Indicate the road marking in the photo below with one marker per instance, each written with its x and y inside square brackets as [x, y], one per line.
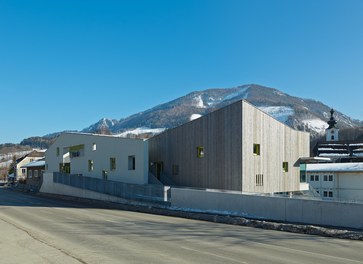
[218, 256]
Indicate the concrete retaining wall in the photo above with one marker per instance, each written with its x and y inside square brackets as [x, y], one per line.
[315, 212]
[49, 186]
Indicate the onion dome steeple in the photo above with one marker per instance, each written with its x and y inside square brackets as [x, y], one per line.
[332, 122]
[332, 132]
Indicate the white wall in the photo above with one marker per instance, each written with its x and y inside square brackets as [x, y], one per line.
[106, 147]
[345, 185]
[316, 212]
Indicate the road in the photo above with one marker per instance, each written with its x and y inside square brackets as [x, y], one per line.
[36, 229]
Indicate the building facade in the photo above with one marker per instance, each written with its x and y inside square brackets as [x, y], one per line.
[99, 156]
[337, 181]
[20, 172]
[35, 172]
[238, 147]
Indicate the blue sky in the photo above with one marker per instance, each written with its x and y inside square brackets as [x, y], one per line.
[65, 64]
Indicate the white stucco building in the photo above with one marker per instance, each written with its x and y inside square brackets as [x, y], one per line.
[99, 156]
[337, 181]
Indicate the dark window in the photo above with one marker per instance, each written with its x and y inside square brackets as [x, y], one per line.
[131, 162]
[331, 178]
[90, 165]
[200, 152]
[256, 149]
[285, 166]
[105, 175]
[112, 164]
[316, 177]
[325, 177]
[175, 169]
[311, 177]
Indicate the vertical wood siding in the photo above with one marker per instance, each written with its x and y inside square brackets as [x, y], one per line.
[227, 136]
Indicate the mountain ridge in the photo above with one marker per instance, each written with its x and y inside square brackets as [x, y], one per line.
[302, 114]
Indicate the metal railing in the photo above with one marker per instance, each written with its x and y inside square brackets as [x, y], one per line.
[146, 192]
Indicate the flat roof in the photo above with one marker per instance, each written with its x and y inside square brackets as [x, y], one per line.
[335, 167]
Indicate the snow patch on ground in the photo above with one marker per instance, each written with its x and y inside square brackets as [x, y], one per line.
[141, 130]
[317, 125]
[198, 102]
[194, 116]
[280, 113]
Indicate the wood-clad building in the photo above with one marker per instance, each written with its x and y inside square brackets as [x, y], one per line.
[237, 147]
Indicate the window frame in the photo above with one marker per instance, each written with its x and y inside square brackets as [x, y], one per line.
[285, 166]
[112, 164]
[256, 149]
[200, 152]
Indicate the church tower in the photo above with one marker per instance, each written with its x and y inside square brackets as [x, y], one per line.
[332, 133]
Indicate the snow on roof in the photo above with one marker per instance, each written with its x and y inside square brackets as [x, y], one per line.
[333, 154]
[37, 163]
[141, 130]
[335, 167]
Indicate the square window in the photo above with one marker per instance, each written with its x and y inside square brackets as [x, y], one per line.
[200, 152]
[330, 194]
[112, 164]
[311, 177]
[325, 194]
[325, 177]
[131, 162]
[316, 177]
[285, 166]
[256, 149]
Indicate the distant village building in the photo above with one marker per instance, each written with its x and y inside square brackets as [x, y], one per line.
[342, 181]
[342, 176]
[35, 172]
[338, 150]
[20, 172]
[332, 133]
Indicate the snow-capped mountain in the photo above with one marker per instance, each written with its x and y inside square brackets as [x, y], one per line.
[302, 114]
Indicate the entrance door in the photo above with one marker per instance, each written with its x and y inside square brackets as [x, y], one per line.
[159, 168]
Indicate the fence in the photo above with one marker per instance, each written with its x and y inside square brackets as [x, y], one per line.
[148, 192]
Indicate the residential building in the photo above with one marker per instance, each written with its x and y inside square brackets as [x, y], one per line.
[20, 172]
[338, 150]
[342, 181]
[35, 172]
[99, 156]
[238, 147]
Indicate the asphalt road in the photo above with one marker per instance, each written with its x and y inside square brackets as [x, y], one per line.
[35, 229]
